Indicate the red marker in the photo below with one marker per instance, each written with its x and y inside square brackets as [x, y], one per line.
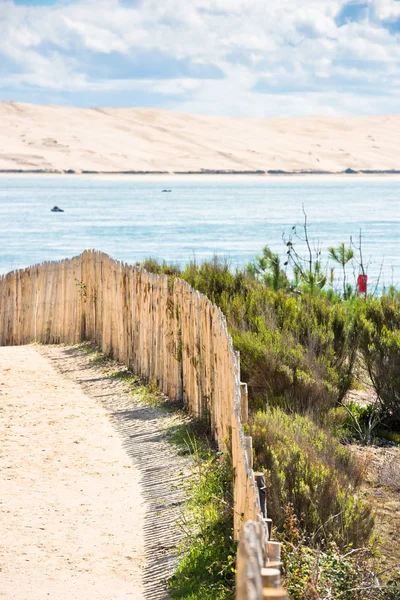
[362, 281]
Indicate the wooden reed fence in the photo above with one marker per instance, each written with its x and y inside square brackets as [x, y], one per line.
[166, 332]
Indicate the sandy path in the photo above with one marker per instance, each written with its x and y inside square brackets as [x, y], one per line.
[78, 518]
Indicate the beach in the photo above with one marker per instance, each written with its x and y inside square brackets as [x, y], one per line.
[40, 139]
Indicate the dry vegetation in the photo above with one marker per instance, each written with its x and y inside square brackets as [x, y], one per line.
[381, 489]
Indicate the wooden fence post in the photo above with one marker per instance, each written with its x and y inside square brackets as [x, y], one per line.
[244, 403]
[262, 492]
[271, 577]
[249, 450]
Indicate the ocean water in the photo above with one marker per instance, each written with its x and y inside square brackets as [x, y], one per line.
[133, 220]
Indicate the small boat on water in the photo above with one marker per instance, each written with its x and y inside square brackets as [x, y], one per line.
[56, 209]
[167, 190]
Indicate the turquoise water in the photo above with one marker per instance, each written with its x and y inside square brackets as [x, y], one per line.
[132, 220]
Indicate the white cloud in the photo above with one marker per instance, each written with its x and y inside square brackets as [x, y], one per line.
[386, 9]
[279, 55]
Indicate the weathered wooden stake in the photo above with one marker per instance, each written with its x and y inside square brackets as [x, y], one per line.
[274, 594]
[271, 578]
[274, 551]
[244, 403]
[262, 492]
[249, 450]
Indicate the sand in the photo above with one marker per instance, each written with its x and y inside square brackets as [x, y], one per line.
[37, 138]
[84, 468]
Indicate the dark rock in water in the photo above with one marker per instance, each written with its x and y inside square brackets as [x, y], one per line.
[350, 171]
[56, 209]
[167, 190]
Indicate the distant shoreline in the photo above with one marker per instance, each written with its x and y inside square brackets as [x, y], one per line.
[219, 175]
[227, 172]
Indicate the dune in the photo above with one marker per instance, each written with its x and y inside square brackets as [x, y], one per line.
[59, 139]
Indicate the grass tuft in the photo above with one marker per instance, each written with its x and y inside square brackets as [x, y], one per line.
[207, 567]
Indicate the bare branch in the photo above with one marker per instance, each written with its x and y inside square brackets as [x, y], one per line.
[379, 277]
[307, 240]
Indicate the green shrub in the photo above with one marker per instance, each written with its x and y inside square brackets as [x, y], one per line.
[391, 590]
[312, 471]
[360, 424]
[379, 334]
[267, 268]
[152, 265]
[327, 334]
[310, 573]
[334, 422]
[212, 278]
[278, 372]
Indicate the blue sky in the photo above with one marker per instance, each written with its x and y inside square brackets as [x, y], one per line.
[35, 2]
[260, 58]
